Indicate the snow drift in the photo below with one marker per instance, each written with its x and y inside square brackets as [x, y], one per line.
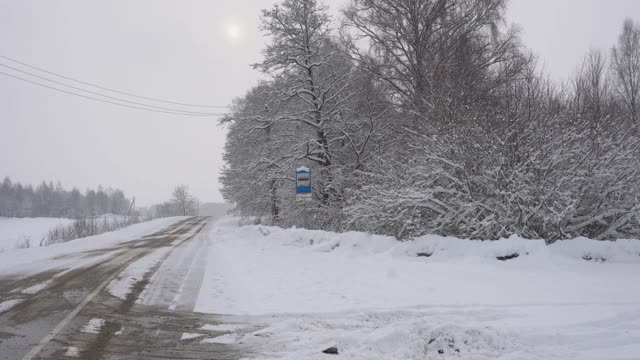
[438, 247]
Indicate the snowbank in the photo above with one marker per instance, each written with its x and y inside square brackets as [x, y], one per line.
[620, 251]
[26, 232]
[446, 248]
[437, 248]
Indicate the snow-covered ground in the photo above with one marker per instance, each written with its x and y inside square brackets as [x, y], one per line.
[26, 232]
[432, 298]
[26, 261]
[17, 233]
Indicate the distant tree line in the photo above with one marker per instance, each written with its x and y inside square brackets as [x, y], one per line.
[431, 116]
[49, 200]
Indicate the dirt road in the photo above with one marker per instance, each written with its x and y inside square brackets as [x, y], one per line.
[75, 316]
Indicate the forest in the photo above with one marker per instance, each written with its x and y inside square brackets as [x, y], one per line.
[433, 117]
[49, 200]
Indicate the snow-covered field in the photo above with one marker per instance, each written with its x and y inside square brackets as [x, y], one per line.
[432, 298]
[26, 232]
[25, 261]
[18, 233]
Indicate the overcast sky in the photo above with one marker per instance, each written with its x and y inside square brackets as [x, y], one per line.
[186, 51]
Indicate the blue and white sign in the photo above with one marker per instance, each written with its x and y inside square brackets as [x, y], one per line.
[303, 183]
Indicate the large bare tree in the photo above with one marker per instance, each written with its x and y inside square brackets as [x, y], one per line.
[434, 55]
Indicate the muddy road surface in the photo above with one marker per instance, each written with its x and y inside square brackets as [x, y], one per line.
[73, 313]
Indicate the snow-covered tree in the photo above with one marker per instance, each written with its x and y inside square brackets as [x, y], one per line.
[312, 111]
[430, 116]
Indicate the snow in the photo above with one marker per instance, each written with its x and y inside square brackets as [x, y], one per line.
[223, 327]
[20, 232]
[175, 263]
[35, 288]
[449, 332]
[395, 336]
[222, 339]
[28, 261]
[177, 282]
[93, 326]
[375, 298]
[135, 272]
[8, 304]
[72, 351]
[316, 271]
[190, 336]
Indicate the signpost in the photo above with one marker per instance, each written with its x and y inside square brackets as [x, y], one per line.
[303, 184]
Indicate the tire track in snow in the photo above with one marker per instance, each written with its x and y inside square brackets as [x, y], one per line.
[121, 258]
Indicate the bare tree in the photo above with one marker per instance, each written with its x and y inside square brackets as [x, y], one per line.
[433, 55]
[183, 200]
[593, 98]
[626, 66]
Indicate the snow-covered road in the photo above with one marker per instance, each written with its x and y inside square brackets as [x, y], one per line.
[176, 284]
[124, 295]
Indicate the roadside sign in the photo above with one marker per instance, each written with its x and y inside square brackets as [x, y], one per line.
[303, 183]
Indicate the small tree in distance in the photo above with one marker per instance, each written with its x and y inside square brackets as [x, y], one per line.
[184, 202]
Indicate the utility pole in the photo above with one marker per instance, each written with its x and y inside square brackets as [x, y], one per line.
[131, 207]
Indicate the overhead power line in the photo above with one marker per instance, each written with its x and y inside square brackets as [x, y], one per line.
[112, 90]
[106, 96]
[174, 112]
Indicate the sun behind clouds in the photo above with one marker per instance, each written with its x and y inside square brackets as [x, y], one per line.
[233, 31]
